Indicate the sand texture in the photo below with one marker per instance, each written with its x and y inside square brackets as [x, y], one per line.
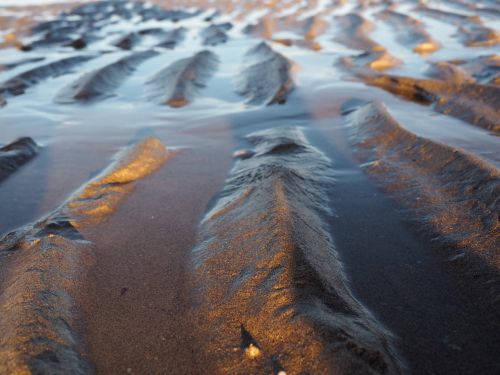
[250, 187]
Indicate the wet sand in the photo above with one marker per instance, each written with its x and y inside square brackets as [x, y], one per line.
[238, 188]
[138, 284]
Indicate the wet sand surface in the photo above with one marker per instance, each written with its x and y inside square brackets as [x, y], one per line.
[281, 188]
[138, 285]
[374, 233]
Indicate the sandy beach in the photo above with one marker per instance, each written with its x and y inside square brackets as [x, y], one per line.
[250, 187]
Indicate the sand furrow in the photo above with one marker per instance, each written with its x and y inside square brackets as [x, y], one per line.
[59, 40]
[410, 32]
[488, 10]
[121, 9]
[470, 30]
[86, 22]
[61, 32]
[447, 71]
[102, 82]
[178, 84]
[18, 84]
[215, 34]
[314, 26]
[484, 69]
[378, 61]
[264, 28]
[453, 195]
[353, 33]
[15, 154]
[450, 17]
[471, 102]
[302, 43]
[173, 38]
[266, 76]
[479, 36]
[56, 25]
[307, 29]
[128, 41]
[45, 263]
[271, 288]
[15, 64]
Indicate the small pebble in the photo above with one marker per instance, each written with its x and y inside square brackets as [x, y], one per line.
[243, 154]
[252, 351]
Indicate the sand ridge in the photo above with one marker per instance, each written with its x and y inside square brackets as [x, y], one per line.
[46, 262]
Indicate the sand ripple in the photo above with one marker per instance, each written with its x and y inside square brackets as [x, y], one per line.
[270, 282]
[46, 262]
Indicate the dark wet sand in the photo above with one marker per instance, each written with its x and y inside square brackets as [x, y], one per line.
[136, 300]
[397, 274]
